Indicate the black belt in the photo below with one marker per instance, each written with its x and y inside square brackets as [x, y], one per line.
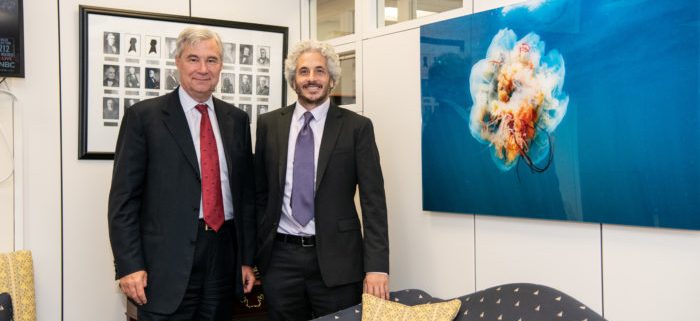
[303, 241]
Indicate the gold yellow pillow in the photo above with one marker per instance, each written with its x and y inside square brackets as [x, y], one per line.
[376, 309]
[17, 278]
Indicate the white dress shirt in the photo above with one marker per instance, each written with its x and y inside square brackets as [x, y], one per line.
[288, 225]
[194, 117]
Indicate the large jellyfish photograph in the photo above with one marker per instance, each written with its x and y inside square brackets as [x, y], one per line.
[518, 100]
[579, 110]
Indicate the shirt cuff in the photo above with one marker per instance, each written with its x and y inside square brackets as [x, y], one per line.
[387, 274]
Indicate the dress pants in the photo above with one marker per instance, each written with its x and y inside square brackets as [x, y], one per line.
[210, 291]
[294, 289]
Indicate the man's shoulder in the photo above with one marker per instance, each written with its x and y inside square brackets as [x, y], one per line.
[152, 104]
[222, 103]
[225, 104]
[274, 114]
[350, 115]
[229, 107]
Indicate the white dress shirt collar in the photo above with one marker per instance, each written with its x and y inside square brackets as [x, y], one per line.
[188, 103]
[319, 112]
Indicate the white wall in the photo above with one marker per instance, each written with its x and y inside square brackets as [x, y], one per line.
[37, 152]
[7, 179]
[651, 274]
[562, 255]
[428, 250]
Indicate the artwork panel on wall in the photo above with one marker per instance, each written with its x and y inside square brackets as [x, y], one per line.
[565, 109]
[128, 56]
[11, 39]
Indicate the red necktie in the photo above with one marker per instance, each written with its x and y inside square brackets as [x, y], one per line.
[212, 201]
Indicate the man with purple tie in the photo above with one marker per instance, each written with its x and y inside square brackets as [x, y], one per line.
[310, 158]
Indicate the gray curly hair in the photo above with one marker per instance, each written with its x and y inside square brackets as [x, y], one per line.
[193, 35]
[326, 50]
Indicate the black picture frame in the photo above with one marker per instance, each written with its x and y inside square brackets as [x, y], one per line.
[127, 56]
[11, 39]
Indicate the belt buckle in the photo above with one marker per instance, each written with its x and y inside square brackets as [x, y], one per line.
[304, 244]
[207, 228]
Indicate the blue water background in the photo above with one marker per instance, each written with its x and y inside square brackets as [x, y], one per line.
[628, 149]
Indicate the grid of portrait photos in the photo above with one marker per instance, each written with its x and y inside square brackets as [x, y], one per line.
[127, 57]
[245, 77]
[142, 66]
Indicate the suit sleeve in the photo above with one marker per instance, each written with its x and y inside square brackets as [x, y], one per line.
[125, 196]
[248, 193]
[261, 188]
[372, 201]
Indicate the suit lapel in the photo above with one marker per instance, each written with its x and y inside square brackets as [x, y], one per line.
[226, 130]
[175, 121]
[331, 131]
[284, 122]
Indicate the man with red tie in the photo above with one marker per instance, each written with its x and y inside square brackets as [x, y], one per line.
[181, 206]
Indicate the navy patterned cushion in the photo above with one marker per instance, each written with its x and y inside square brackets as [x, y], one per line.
[509, 302]
[5, 307]
[523, 301]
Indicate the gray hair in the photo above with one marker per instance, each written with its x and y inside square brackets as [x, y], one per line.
[326, 50]
[193, 35]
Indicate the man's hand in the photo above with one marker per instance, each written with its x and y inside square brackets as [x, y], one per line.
[133, 286]
[376, 284]
[248, 278]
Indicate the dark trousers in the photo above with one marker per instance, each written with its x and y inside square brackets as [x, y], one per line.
[210, 291]
[294, 289]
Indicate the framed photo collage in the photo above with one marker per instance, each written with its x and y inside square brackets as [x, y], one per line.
[129, 56]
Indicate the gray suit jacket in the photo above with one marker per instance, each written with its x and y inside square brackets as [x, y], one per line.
[156, 190]
[348, 158]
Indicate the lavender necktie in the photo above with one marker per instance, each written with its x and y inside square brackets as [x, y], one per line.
[303, 175]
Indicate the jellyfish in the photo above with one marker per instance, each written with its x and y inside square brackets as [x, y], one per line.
[518, 100]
